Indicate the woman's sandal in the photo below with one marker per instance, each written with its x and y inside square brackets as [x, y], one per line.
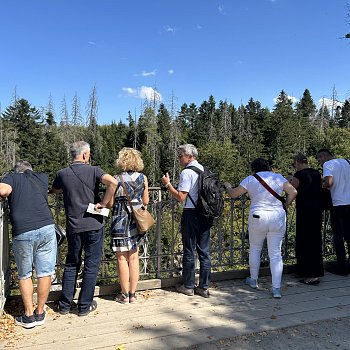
[122, 298]
[132, 297]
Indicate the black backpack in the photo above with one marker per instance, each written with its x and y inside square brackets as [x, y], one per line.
[210, 200]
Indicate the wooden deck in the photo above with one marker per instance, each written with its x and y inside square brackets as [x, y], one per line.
[164, 319]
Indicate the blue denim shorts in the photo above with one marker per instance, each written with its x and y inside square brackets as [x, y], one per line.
[37, 247]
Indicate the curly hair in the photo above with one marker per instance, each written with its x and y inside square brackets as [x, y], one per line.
[129, 159]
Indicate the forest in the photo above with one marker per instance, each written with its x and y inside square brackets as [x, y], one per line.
[228, 137]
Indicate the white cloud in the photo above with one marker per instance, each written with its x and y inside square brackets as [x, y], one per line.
[170, 29]
[91, 43]
[143, 92]
[129, 91]
[291, 98]
[147, 92]
[327, 102]
[221, 9]
[147, 74]
[171, 71]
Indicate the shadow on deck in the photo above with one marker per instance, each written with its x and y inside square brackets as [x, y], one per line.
[164, 319]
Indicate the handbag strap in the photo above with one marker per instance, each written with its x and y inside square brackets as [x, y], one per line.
[275, 194]
[71, 168]
[125, 190]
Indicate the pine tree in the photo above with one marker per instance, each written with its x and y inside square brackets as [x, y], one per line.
[26, 121]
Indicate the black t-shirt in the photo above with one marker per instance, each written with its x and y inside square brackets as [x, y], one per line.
[28, 207]
[80, 187]
[309, 189]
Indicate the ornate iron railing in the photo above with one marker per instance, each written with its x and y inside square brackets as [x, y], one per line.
[161, 254]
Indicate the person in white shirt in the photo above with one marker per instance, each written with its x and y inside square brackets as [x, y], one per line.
[267, 219]
[336, 174]
[195, 228]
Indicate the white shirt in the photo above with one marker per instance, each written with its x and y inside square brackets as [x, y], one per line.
[261, 198]
[339, 169]
[189, 183]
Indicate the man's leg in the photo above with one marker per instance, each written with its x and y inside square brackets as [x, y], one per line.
[93, 245]
[203, 251]
[44, 262]
[337, 223]
[189, 225]
[71, 270]
[43, 290]
[26, 289]
[23, 246]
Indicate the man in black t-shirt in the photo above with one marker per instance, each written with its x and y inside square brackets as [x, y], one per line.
[33, 237]
[79, 184]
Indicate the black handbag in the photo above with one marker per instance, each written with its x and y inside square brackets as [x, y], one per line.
[59, 230]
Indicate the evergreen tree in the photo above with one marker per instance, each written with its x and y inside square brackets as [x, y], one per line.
[345, 115]
[26, 121]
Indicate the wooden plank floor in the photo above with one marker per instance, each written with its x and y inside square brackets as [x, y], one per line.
[163, 319]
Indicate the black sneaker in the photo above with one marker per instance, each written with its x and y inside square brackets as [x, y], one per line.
[182, 289]
[26, 321]
[202, 292]
[92, 307]
[40, 318]
[58, 309]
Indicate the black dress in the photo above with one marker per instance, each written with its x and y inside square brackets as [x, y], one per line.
[308, 224]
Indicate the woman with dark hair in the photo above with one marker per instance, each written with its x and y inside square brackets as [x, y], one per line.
[267, 219]
[308, 240]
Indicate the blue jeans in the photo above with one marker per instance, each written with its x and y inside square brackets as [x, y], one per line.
[91, 242]
[195, 230]
[36, 247]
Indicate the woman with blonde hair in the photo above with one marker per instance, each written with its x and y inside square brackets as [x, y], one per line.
[125, 237]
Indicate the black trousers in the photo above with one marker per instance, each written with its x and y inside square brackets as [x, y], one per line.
[340, 221]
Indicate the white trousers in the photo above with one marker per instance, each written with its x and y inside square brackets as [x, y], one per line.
[272, 226]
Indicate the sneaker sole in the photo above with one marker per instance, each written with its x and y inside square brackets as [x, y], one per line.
[26, 325]
[40, 323]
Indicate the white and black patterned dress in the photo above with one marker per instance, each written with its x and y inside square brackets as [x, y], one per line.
[125, 236]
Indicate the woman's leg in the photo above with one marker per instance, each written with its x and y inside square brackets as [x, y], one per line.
[256, 242]
[123, 271]
[134, 269]
[274, 244]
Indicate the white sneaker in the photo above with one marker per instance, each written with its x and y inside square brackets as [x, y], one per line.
[252, 283]
[276, 293]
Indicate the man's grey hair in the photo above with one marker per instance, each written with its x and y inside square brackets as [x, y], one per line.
[22, 166]
[78, 148]
[188, 150]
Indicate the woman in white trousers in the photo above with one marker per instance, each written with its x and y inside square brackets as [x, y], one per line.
[267, 219]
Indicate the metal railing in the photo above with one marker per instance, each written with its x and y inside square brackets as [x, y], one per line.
[5, 268]
[161, 253]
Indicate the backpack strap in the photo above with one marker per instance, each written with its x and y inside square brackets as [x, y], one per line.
[347, 160]
[199, 172]
[275, 194]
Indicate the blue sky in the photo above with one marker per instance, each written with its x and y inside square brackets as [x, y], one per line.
[232, 49]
